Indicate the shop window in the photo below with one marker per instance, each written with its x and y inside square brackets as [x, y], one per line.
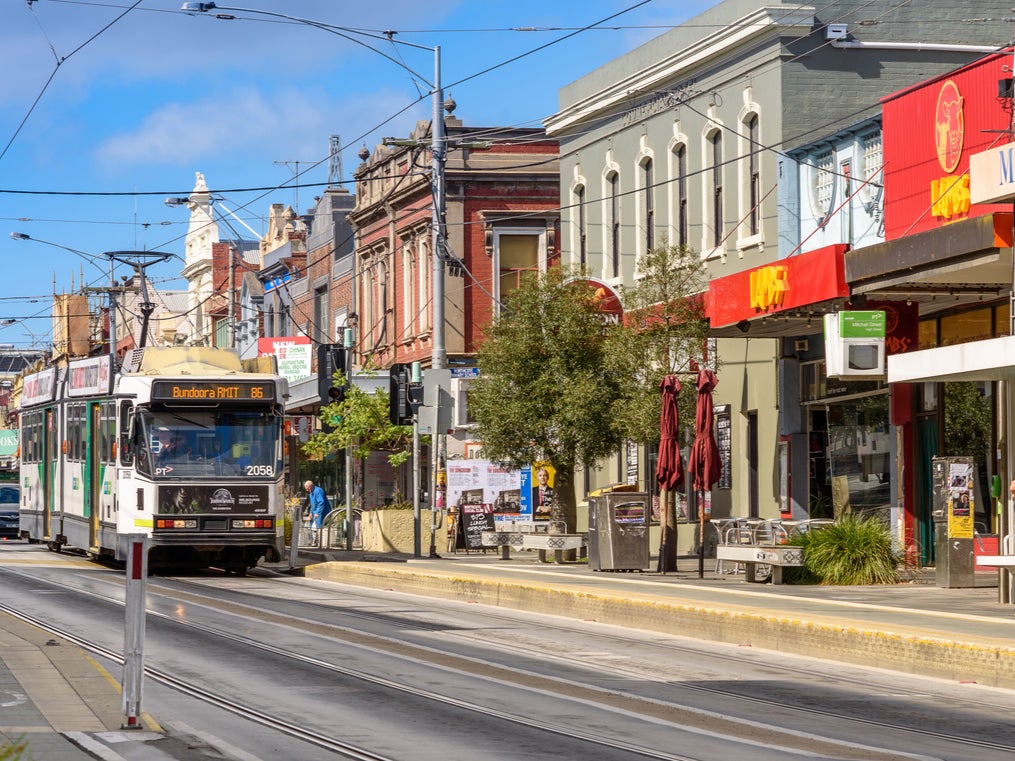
[971, 325]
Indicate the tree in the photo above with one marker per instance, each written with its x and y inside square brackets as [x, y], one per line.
[360, 422]
[665, 333]
[546, 390]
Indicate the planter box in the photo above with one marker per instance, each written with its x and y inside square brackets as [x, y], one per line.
[392, 531]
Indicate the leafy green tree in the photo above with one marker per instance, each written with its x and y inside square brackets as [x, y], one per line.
[360, 423]
[546, 390]
[665, 331]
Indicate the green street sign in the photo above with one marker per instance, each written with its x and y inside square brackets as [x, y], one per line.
[862, 324]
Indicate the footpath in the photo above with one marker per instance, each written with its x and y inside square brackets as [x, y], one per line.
[66, 707]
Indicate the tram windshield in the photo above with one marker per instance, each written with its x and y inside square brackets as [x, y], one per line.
[207, 443]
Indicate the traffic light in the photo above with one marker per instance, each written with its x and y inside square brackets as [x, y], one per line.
[331, 359]
[399, 411]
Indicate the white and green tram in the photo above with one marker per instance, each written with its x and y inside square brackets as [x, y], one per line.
[183, 444]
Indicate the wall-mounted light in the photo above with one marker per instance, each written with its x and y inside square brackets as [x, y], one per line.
[743, 326]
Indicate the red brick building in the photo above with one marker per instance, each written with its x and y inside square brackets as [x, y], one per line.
[502, 216]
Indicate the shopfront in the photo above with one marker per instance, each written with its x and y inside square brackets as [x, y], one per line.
[949, 258]
[836, 442]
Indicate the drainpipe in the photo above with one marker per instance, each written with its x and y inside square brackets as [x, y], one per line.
[930, 46]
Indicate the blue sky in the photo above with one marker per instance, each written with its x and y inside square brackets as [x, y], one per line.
[131, 99]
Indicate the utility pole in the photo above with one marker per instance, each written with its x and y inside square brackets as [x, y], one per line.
[438, 154]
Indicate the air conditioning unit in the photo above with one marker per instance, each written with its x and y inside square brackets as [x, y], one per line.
[801, 345]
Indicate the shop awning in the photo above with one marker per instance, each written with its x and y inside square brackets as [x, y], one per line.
[785, 297]
[956, 265]
[990, 360]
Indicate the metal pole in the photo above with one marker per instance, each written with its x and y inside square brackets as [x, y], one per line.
[439, 357]
[417, 539]
[112, 314]
[134, 628]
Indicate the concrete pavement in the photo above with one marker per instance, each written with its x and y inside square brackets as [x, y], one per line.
[916, 627]
[66, 707]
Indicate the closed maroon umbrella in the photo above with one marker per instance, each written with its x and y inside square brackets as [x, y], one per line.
[669, 468]
[703, 461]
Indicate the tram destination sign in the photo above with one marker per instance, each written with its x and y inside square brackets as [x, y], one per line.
[212, 391]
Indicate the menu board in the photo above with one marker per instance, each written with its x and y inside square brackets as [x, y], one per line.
[724, 441]
[473, 521]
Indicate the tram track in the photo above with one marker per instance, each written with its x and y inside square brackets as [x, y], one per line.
[318, 739]
[618, 643]
[651, 709]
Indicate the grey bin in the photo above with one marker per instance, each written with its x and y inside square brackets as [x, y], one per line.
[618, 532]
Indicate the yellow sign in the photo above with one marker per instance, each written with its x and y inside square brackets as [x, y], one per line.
[769, 286]
[949, 197]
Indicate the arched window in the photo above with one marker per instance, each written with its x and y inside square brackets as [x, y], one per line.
[753, 177]
[581, 231]
[715, 143]
[681, 201]
[648, 203]
[613, 221]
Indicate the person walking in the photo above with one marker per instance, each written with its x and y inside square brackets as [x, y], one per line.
[318, 508]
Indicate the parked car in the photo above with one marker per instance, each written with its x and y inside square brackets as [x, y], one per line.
[10, 496]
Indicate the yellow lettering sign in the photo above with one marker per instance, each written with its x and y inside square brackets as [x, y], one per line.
[949, 197]
[769, 286]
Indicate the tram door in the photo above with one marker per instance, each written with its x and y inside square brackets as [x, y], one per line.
[93, 473]
[50, 446]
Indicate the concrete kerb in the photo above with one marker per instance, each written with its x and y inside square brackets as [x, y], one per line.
[897, 649]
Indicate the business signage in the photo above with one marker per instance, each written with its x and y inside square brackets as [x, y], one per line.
[292, 353]
[992, 175]
[791, 283]
[930, 132]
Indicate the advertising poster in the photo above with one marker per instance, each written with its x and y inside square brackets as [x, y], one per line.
[538, 482]
[481, 482]
[293, 354]
[960, 501]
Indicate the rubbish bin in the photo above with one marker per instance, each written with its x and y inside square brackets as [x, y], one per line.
[618, 532]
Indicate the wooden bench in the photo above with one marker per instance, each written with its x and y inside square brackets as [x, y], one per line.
[557, 543]
[753, 555]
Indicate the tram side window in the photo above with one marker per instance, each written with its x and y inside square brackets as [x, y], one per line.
[107, 431]
[126, 446]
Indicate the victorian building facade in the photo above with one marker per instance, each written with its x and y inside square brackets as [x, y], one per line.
[684, 141]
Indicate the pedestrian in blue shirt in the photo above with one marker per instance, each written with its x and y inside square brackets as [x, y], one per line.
[318, 508]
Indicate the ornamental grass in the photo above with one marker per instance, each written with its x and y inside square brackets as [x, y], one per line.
[855, 550]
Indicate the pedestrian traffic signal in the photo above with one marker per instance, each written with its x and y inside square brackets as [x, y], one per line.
[331, 358]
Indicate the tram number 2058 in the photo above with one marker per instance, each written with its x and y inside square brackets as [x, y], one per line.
[260, 470]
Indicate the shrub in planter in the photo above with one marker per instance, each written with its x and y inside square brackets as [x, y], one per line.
[852, 551]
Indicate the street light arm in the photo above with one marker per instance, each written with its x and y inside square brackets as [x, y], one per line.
[90, 258]
[341, 31]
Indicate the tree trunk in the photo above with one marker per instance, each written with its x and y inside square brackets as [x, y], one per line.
[564, 512]
[668, 540]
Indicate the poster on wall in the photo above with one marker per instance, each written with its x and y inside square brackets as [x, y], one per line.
[481, 482]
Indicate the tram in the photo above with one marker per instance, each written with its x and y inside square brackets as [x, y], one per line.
[181, 444]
